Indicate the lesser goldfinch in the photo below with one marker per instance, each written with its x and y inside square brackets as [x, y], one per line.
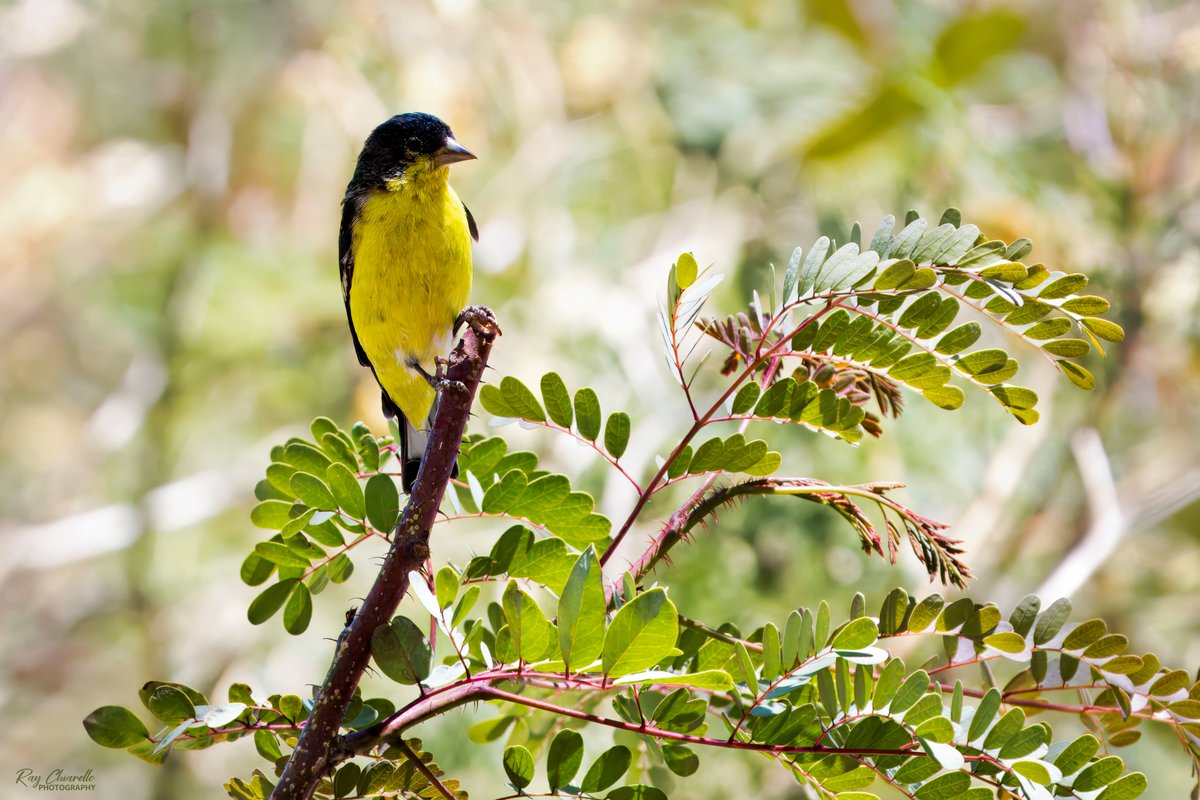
[405, 259]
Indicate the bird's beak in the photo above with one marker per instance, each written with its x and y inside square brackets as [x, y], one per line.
[451, 153]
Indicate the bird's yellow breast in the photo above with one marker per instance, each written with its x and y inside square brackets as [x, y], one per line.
[412, 277]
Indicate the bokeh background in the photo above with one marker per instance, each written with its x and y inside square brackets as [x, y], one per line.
[171, 176]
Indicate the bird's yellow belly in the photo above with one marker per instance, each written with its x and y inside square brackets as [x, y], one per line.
[412, 277]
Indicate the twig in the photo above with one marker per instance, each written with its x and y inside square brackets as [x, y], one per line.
[424, 769]
[316, 750]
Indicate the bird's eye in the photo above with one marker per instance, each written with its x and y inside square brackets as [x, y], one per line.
[413, 142]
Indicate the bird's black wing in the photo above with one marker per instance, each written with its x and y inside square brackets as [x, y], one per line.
[471, 223]
[350, 210]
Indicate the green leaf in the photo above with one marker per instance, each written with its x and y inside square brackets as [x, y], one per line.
[686, 270]
[281, 554]
[771, 652]
[1170, 683]
[1078, 374]
[530, 630]
[888, 683]
[1084, 634]
[170, 704]
[925, 612]
[1077, 754]
[115, 726]
[947, 397]
[298, 611]
[746, 397]
[280, 476]
[306, 458]
[346, 489]
[822, 632]
[681, 760]
[1051, 621]
[616, 434]
[812, 265]
[773, 401]
[269, 601]
[912, 690]
[1126, 788]
[1099, 774]
[446, 584]
[271, 514]
[1006, 271]
[894, 275]
[636, 791]
[1107, 646]
[1068, 348]
[564, 758]
[402, 652]
[1065, 286]
[557, 399]
[1006, 642]
[1109, 331]
[1015, 396]
[1049, 329]
[1035, 771]
[520, 399]
[791, 275]
[518, 765]
[587, 413]
[749, 673]
[982, 361]
[913, 366]
[606, 770]
[856, 634]
[1004, 730]
[383, 502]
[255, 569]
[906, 242]
[936, 729]
[959, 339]
[267, 745]
[494, 402]
[944, 787]
[489, 730]
[581, 612]
[1087, 305]
[985, 712]
[1024, 743]
[850, 273]
[505, 493]
[642, 633]
[465, 604]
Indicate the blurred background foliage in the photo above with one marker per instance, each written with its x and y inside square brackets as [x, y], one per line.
[168, 212]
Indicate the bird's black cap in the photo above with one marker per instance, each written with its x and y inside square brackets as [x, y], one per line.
[402, 140]
[415, 134]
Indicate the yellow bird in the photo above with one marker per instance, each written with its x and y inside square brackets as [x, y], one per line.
[405, 259]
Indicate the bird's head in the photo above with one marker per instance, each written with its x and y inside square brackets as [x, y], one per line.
[408, 147]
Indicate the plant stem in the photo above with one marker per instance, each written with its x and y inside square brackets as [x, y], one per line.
[316, 751]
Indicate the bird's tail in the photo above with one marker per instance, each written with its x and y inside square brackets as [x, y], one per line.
[413, 442]
[412, 449]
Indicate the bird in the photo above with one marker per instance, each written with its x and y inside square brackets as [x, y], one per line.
[405, 264]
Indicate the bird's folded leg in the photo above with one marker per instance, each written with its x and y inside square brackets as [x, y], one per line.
[438, 379]
[480, 318]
